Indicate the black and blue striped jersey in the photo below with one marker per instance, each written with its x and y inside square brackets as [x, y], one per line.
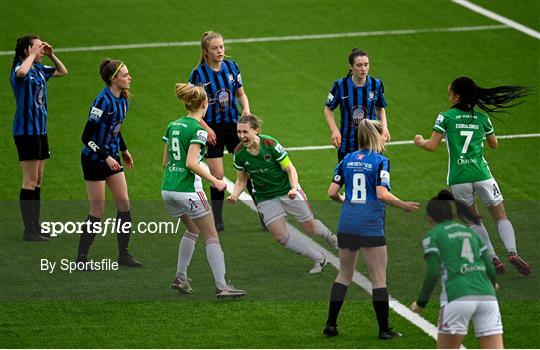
[221, 89]
[102, 129]
[31, 96]
[355, 103]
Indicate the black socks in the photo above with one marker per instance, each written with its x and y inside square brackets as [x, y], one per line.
[217, 198]
[26, 202]
[339, 291]
[123, 234]
[381, 306]
[87, 237]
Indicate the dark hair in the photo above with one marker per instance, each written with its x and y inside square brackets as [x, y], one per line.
[488, 99]
[440, 210]
[253, 121]
[352, 56]
[23, 43]
[108, 69]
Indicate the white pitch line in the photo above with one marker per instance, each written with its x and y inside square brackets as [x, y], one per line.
[405, 142]
[426, 326]
[496, 17]
[276, 38]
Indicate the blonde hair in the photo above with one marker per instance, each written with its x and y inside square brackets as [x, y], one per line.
[369, 135]
[193, 96]
[205, 42]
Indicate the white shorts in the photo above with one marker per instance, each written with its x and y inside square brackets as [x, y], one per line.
[487, 190]
[483, 310]
[275, 208]
[193, 204]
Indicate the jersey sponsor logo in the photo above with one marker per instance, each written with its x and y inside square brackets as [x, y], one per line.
[95, 113]
[202, 135]
[363, 165]
[360, 156]
[471, 268]
[175, 169]
[467, 126]
[267, 157]
[465, 161]
[246, 163]
[358, 113]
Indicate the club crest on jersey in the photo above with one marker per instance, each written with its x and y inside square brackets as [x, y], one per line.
[358, 114]
[371, 95]
[267, 157]
[231, 77]
[223, 98]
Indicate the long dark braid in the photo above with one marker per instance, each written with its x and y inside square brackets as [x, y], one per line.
[440, 210]
[490, 100]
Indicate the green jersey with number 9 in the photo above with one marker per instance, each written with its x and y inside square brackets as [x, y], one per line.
[460, 251]
[179, 135]
[465, 133]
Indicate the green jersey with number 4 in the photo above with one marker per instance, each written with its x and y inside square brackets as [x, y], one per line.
[179, 135]
[465, 133]
[269, 179]
[460, 250]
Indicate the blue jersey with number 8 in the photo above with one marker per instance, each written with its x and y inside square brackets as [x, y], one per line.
[362, 212]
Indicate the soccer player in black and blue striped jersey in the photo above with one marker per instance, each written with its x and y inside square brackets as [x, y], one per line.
[29, 82]
[100, 159]
[222, 80]
[358, 96]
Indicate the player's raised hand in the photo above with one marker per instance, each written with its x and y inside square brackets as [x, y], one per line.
[47, 49]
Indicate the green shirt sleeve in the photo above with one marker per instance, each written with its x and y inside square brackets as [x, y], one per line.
[165, 137]
[488, 127]
[440, 124]
[431, 279]
[236, 163]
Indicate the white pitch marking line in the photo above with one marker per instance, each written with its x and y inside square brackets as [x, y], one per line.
[276, 38]
[426, 326]
[496, 17]
[406, 142]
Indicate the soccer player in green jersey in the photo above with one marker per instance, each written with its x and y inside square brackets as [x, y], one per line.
[185, 141]
[460, 258]
[465, 128]
[277, 192]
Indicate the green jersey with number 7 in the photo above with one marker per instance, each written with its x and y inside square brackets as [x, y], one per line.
[464, 133]
[179, 135]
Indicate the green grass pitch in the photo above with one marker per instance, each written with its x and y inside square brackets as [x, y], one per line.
[286, 82]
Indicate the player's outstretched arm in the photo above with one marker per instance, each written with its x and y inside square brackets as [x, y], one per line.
[387, 197]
